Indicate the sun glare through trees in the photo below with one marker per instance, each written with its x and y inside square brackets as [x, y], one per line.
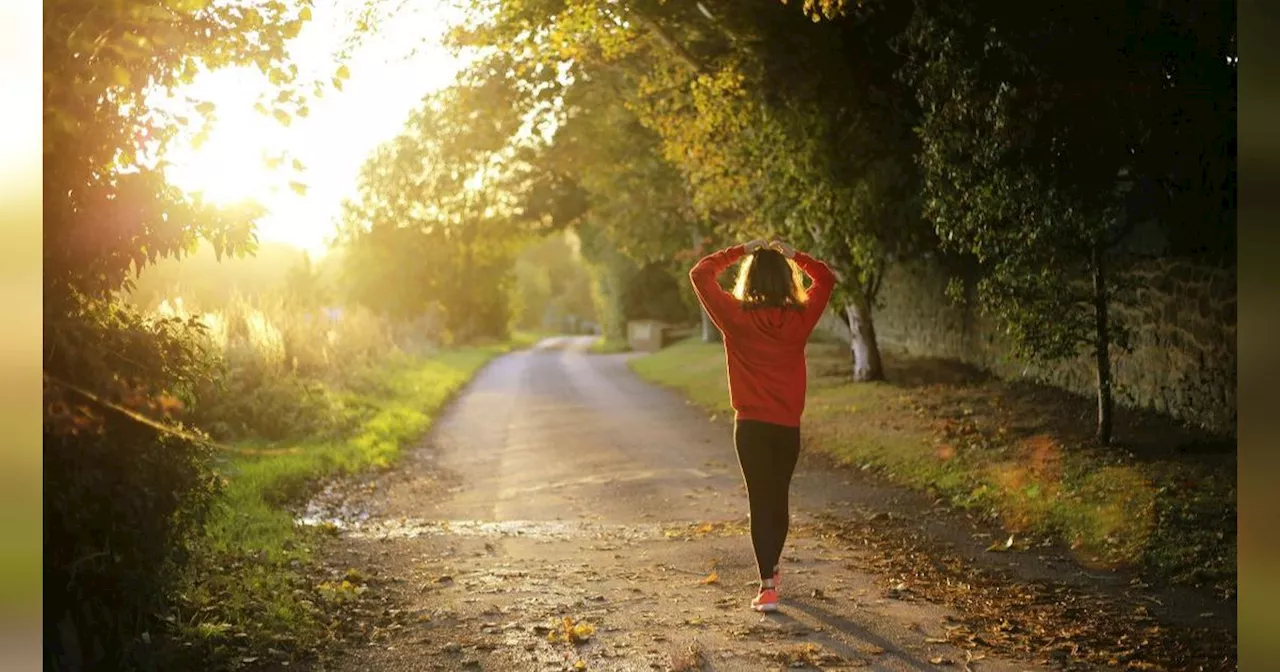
[372, 339]
[300, 163]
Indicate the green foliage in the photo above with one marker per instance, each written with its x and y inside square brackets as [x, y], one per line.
[653, 293]
[437, 222]
[121, 508]
[125, 484]
[123, 497]
[1048, 135]
[553, 285]
[711, 123]
[109, 209]
[275, 360]
[610, 270]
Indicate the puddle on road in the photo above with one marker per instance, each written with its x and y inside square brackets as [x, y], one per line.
[554, 530]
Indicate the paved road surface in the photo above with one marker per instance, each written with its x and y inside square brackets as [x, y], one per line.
[559, 484]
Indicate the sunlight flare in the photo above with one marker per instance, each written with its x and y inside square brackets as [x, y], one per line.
[300, 168]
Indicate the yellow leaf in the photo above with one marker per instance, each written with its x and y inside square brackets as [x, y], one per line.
[298, 187]
[282, 117]
[343, 72]
[305, 14]
[713, 577]
[583, 631]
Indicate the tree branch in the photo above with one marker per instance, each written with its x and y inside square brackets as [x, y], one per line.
[141, 419]
[681, 53]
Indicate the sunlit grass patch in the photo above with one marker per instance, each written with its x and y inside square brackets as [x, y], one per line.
[521, 339]
[695, 368]
[962, 438]
[606, 346]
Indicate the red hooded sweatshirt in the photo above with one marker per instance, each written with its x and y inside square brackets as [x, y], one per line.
[764, 347]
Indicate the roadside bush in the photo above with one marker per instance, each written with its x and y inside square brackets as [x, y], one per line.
[278, 365]
[123, 498]
[654, 294]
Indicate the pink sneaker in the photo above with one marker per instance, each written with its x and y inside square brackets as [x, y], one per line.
[766, 601]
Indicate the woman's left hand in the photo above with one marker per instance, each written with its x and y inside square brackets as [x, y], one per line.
[753, 245]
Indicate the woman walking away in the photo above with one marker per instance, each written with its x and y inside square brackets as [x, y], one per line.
[766, 323]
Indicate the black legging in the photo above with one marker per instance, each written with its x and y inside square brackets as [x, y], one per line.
[767, 454]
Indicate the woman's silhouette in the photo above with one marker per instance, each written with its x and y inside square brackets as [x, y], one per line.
[766, 322]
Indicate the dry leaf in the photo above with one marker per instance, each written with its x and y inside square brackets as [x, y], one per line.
[713, 577]
[999, 547]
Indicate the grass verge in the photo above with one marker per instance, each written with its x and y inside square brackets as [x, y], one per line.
[608, 346]
[250, 594]
[1160, 499]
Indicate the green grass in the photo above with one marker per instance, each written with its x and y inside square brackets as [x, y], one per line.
[985, 445]
[249, 584]
[523, 339]
[608, 346]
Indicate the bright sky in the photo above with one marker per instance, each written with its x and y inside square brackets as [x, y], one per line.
[390, 72]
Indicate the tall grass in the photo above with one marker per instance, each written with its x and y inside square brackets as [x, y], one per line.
[282, 367]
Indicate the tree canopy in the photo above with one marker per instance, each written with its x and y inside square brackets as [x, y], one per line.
[439, 210]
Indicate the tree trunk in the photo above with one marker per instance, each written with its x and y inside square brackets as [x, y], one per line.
[1102, 348]
[710, 334]
[864, 352]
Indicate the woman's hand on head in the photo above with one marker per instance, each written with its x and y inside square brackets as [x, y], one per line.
[753, 245]
[782, 247]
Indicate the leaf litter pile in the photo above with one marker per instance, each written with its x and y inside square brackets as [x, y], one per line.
[1068, 627]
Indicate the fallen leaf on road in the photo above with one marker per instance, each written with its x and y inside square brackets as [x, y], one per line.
[999, 547]
[571, 632]
[939, 660]
[713, 577]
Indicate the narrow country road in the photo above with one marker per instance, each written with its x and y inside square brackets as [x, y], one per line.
[558, 484]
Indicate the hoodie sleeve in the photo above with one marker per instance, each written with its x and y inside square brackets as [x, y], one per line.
[719, 304]
[824, 281]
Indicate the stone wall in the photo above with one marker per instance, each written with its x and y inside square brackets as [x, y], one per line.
[1181, 359]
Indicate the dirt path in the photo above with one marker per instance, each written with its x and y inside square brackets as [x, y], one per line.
[558, 485]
